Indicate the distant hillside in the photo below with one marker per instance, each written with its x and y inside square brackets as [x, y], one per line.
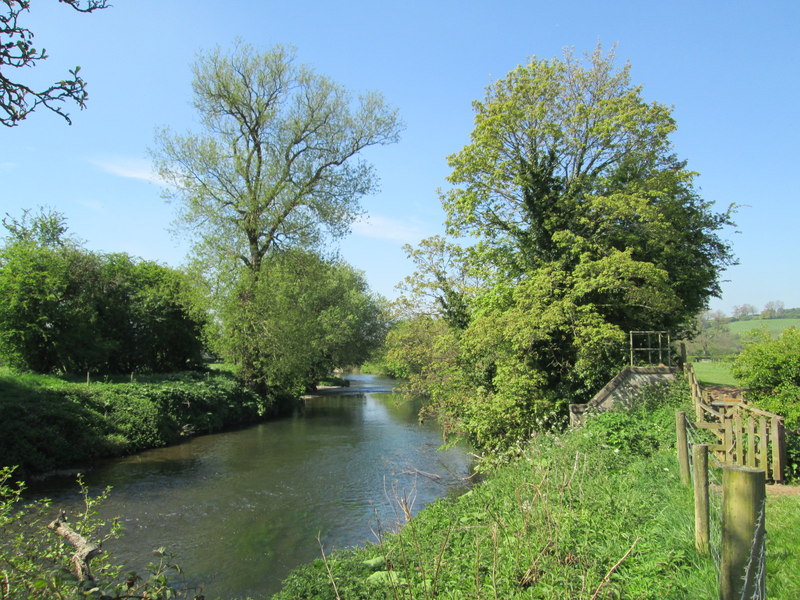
[774, 326]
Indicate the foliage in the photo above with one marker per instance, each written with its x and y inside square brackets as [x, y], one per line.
[586, 226]
[46, 422]
[275, 168]
[18, 100]
[714, 336]
[549, 525]
[70, 310]
[303, 317]
[37, 563]
[770, 368]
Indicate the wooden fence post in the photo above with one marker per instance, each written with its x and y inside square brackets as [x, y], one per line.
[700, 480]
[743, 534]
[683, 447]
[778, 449]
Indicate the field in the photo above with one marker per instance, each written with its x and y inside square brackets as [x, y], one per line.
[773, 326]
[715, 372]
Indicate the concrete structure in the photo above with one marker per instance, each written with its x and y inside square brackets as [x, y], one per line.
[622, 391]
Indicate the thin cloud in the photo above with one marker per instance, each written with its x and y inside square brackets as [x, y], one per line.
[385, 228]
[130, 168]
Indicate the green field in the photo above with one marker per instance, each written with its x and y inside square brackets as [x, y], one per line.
[773, 326]
[715, 372]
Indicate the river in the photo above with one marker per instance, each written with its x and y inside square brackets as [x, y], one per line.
[241, 509]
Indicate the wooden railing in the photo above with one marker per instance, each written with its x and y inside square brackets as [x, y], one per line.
[745, 436]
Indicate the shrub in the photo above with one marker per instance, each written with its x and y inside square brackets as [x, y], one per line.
[47, 423]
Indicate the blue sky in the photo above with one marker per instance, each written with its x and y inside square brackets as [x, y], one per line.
[729, 68]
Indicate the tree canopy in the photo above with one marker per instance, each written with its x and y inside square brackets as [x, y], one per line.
[18, 100]
[277, 161]
[275, 171]
[585, 225]
[68, 310]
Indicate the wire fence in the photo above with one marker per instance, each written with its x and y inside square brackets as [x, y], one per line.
[730, 508]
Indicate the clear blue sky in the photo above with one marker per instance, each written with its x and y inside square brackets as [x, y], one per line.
[729, 68]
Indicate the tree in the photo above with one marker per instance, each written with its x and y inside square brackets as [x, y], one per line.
[276, 167]
[47, 228]
[309, 316]
[278, 158]
[743, 310]
[69, 310]
[770, 369]
[18, 100]
[773, 310]
[713, 339]
[586, 226]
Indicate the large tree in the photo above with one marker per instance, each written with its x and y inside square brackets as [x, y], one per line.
[17, 99]
[276, 167]
[586, 226]
[277, 162]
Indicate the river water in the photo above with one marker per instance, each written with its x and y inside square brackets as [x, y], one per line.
[241, 509]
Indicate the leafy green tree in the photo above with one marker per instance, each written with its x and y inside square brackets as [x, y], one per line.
[276, 166]
[586, 227]
[46, 228]
[69, 310]
[17, 51]
[443, 283]
[277, 160]
[306, 317]
[770, 369]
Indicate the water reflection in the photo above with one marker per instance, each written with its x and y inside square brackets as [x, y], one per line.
[243, 508]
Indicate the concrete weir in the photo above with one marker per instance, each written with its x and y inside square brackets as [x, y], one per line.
[622, 391]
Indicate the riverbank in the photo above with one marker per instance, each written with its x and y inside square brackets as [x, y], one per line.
[48, 422]
[597, 512]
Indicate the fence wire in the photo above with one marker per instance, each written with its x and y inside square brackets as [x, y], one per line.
[696, 436]
[757, 562]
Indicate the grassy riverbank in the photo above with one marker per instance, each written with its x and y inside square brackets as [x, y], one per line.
[598, 512]
[47, 422]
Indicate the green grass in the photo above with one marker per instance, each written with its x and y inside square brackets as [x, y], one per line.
[773, 326]
[48, 422]
[783, 557]
[715, 372]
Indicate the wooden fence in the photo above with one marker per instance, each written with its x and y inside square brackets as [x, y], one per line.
[745, 436]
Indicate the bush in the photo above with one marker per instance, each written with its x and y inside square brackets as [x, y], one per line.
[47, 423]
[770, 368]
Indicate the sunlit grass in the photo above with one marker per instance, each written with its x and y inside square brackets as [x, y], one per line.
[715, 372]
